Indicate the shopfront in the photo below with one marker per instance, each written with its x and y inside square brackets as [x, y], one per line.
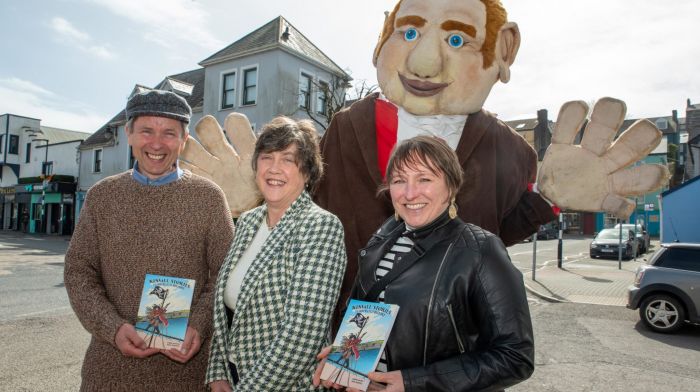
[48, 211]
[7, 207]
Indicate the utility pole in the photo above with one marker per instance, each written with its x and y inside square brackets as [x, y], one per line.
[45, 177]
[619, 246]
[534, 255]
[560, 246]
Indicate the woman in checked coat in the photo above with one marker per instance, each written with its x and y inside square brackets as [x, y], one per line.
[279, 284]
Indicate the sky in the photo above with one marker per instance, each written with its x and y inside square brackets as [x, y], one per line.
[73, 63]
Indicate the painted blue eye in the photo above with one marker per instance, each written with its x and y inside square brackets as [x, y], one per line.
[410, 34]
[455, 41]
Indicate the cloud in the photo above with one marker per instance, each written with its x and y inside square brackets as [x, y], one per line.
[167, 22]
[70, 35]
[24, 98]
[65, 28]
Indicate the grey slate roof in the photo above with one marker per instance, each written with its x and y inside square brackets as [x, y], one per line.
[104, 135]
[527, 124]
[276, 34]
[58, 135]
[670, 128]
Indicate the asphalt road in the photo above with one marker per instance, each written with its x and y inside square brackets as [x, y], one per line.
[578, 347]
[605, 348]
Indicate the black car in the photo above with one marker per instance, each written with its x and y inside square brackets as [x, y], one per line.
[607, 242]
[642, 235]
[547, 232]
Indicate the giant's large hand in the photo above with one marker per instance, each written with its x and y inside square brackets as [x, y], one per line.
[595, 176]
[218, 161]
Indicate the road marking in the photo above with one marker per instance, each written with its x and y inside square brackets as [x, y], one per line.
[39, 312]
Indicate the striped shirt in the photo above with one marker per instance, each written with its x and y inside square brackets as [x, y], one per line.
[402, 246]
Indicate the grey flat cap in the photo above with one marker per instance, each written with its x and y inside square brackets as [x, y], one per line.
[158, 103]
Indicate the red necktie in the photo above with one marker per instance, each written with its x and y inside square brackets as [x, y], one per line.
[386, 121]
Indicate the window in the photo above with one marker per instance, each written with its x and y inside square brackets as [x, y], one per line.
[47, 168]
[680, 258]
[28, 154]
[97, 161]
[14, 145]
[322, 98]
[132, 159]
[305, 91]
[250, 86]
[228, 97]
[662, 123]
[2, 137]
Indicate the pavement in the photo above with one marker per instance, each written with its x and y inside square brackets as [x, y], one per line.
[590, 281]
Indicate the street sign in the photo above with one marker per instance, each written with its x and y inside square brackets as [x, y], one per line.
[683, 136]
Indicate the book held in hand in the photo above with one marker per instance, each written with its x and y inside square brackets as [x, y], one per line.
[164, 311]
[359, 343]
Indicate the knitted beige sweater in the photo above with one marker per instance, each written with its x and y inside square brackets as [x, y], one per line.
[125, 231]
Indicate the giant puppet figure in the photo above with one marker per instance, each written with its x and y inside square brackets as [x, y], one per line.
[436, 63]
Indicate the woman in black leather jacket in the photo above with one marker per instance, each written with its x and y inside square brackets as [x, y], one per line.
[464, 322]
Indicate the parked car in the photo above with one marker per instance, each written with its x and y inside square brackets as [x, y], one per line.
[547, 232]
[642, 235]
[666, 290]
[606, 244]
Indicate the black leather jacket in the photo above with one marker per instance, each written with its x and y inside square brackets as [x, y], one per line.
[464, 322]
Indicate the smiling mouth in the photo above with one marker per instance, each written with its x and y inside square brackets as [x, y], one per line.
[415, 206]
[275, 182]
[421, 88]
[155, 157]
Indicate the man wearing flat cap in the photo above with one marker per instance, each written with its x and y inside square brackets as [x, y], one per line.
[154, 219]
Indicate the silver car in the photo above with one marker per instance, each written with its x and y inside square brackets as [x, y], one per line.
[667, 290]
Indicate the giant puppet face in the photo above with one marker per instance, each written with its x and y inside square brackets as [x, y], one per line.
[443, 56]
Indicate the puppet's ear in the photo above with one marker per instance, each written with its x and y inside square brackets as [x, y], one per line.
[507, 49]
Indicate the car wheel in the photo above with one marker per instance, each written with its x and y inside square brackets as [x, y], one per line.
[662, 313]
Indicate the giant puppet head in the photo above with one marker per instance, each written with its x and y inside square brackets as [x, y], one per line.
[443, 56]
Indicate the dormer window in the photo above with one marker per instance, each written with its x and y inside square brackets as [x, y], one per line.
[178, 87]
[662, 123]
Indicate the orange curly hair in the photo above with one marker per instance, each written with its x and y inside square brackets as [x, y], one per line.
[496, 17]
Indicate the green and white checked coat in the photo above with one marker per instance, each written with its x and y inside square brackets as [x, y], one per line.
[282, 315]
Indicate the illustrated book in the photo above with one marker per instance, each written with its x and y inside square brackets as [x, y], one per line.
[164, 311]
[359, 343]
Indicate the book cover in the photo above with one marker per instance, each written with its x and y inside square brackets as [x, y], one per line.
[164, 311]
[359, 343]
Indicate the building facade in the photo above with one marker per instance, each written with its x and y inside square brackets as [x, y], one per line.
[38, 173]
[272, 71]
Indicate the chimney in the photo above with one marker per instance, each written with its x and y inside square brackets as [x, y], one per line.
[543, 137]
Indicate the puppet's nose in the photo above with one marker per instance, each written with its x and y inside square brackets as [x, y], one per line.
[425, 60]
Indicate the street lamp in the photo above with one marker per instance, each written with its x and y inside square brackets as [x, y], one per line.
[44, 171]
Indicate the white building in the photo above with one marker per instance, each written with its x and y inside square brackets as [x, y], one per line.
[38, 173]
[272, 71]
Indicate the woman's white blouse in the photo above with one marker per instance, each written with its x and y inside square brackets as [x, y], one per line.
[235, 278]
